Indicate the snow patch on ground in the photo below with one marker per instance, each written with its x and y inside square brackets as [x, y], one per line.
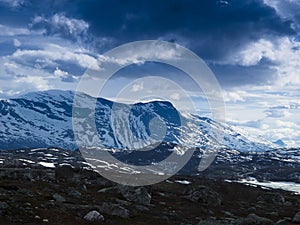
[183, 181]
[287, 186]
[47, 164]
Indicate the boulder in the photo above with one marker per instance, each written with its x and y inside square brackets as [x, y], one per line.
[74, 193]
[253, 219]
[113, 209]
[139, 195]
[296, 218]
[214, 221]
[274, 198]
[286, 221]
[58, 198]
[3, 205]
[94, 216]
[203, 195]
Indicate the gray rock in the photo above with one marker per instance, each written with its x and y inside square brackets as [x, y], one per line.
[228, 214]
[253, 219]
[123, 202]
[94, 216]
[142, 208]
[113, 189]
[296, 218]
[3, 205]
[113, 209]
[284, 222]
[214, 221]
[58, 198]
[275, 198]
[74, 193]
[275, 214]
[139, 195]
[26, 174]
[203, 195]
[251, 209]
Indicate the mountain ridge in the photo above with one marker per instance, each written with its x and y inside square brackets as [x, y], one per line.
[44, 119]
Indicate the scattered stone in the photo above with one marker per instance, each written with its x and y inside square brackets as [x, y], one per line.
[288, 203]
[275, 198]
[214, 221]
[123, 202]
[28, 204]
[142, 208]
[114, 209]
[229, 214]
[286, 221]
[108, 190]
[135, 194]
[74, 193]
[3, 205]
[253, 219]
[273, 214]
[83, 188]
[252, 210]
[203, 195]
[296, 218]
[94, 216]
[58, 198]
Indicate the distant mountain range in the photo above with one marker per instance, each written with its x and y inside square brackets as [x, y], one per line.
[44, 119]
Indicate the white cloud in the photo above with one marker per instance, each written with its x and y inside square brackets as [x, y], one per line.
[38, 82]
[254, 53]
[145, 52]
[60, 73]
[234, 96]
[61, 25]
[138, 87]
[17, 43]
[13, 31]
[277, 112]
[284, 53]
[54, 52]
[13, 3]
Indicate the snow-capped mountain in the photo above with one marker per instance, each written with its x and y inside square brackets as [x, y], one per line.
[44, 119]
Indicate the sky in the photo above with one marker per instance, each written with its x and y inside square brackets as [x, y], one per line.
[252, 47]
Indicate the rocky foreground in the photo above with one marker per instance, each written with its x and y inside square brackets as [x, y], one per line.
[67, 195]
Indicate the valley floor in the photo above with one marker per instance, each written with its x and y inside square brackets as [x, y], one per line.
[64, 195]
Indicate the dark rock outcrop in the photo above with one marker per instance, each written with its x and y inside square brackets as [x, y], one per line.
[203, 195]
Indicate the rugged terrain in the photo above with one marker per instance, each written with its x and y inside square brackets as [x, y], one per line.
[56, 186]
[40, 184]
[65, 196]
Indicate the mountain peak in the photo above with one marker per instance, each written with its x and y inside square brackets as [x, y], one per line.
[44, 119]
[280, 143]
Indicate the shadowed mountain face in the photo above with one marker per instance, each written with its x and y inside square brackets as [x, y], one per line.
[44, 119]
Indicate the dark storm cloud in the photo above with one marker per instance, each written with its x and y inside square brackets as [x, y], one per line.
[207, 27]
[288, 9]
[211, 28]
[235, 75]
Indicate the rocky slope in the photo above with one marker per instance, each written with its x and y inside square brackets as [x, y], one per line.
[66, 195]
[279, 165]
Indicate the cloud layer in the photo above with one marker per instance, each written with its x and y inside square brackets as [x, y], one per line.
[252, 46]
